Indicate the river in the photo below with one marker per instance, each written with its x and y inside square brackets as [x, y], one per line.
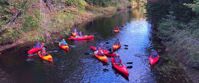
[77, 67]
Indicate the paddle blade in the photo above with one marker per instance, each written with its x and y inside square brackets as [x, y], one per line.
[129, 67]
[129, 62]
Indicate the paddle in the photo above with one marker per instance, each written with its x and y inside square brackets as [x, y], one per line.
[105, 70]
[129, 67]
[29, 59]
[129, 63]
[73, 46]
[53, 51]
[126, 45]
[88, 53]
[107, 42]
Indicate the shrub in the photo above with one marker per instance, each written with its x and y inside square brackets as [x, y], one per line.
[100, 2]
[29, 24]
[79, 3]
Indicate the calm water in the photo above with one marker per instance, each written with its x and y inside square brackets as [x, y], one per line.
[76, 67]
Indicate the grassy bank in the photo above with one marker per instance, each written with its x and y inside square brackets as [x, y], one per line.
[177, 26]
[40, 19]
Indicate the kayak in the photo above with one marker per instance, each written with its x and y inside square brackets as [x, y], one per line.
[116, 47]
[121, 68]
[86, 37]
[102, 58]
[64, 47]
[74, 34]
[111, 55]
[93, 48]
[106, 52]
[34, 50]
[153, 61]
[47, 57]
[116, 30]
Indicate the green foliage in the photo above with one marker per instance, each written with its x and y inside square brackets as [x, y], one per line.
[194, 6]
[9, 35]
[100, 2]
[78, 3]
[178, 27]
[4, 12]
[30, 24]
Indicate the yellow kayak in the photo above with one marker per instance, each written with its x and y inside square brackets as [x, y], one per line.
[47, 57]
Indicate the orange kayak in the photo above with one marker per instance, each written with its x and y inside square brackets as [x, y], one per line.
[116, 47]
[64, 47]
[102, 58]
[47, 57]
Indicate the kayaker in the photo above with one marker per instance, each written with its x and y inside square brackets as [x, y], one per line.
[117, 59]
[111, 50]
[100, 51]
[43, 51]
[75, 32]
[117, 42]
[154, 53]
[37, 45]
[63, 42]
[80, 34]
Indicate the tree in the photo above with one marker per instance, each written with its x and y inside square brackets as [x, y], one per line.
[194, 6]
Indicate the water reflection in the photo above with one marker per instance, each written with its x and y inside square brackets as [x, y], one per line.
[136, 34]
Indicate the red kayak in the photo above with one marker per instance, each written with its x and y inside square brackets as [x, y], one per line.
[86, 37]
[102, 58]
[116, 30]
[121, 68]
[106, 52]
[153, 61]
[116, 47]
[34, 50]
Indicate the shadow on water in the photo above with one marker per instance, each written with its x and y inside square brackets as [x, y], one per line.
[78, 67]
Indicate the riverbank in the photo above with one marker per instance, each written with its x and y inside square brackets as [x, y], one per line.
[177, 30]
[168, 69]
[181, 47]
[40, 22]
